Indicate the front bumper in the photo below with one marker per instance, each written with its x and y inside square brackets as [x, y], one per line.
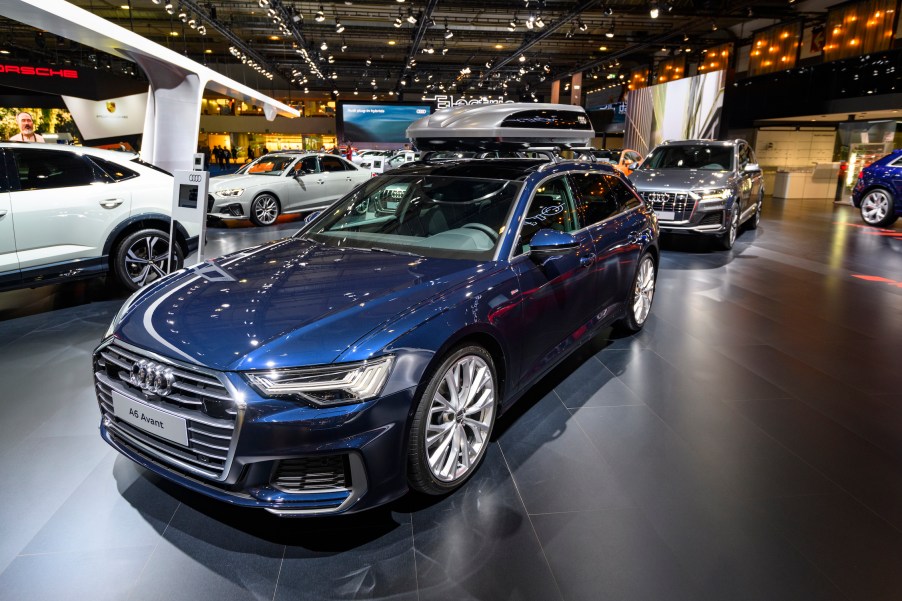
[227, 208]
[284, 457]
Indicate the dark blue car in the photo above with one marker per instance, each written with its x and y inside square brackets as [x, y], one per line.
[878, 191]
[372, 352]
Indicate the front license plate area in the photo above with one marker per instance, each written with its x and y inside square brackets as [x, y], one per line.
[150, 419]
[665, 215]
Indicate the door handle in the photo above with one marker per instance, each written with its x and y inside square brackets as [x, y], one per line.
[111, 203]
[587, 261]
[2, 213]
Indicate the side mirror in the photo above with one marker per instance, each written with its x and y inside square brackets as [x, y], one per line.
[312, 216]
[752, 168]
[547, 242]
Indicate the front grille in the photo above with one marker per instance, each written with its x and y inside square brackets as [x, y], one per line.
[679, 203]
[312, 474]
[199, 397]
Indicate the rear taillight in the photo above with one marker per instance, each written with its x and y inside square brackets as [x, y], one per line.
[861, 174]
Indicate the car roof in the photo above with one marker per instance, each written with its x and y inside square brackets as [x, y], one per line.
[700, 142]
[490, 168]
[116, 155]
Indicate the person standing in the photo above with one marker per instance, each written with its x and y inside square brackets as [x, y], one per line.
[26, 129]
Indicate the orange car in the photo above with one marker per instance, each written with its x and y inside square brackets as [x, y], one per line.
[619, 159]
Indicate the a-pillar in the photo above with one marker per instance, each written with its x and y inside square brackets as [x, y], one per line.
[556, 91]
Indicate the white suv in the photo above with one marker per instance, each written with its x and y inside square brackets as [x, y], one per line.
[70, 212]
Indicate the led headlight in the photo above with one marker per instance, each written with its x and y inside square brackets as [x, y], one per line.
[325, 385]
[229, 193]
[712, 199]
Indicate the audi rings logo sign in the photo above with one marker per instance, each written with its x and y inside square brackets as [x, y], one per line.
[152, 377]
[657, 196]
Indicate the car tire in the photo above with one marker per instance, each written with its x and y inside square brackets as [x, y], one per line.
[642, 293]
[756, 218]
[877, 208]
[140, 258]
[265, 209]
[443, 420]
[728, 238]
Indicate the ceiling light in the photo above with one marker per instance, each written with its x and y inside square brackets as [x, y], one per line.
[512, 25]
[448, 33]
[410, 18]
[653, 11]
[183, 16]
[324, 46]
[320, 15]
[444, 50]
[339, 28]
[539, 22]
[369, 61]
[398, 21]
[582, 26]
[202, 30]
[608, 11]
[392, 42]
[192, 23]
[168, 8]
[522, 58]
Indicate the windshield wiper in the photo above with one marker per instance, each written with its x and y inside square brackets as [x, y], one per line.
[393, 252]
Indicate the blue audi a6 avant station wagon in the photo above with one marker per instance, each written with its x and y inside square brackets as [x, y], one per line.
[371, 352]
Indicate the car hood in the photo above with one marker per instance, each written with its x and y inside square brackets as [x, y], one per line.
[287, 303]
[680, 179]
[225, 182]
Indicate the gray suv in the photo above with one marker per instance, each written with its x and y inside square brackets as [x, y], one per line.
[706, 187]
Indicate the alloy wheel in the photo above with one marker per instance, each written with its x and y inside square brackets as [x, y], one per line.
[145, 259]
[266, 209]
[644, 290]
[460, 419]
[875, 207]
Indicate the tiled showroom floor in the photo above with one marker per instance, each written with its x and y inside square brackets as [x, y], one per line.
[747, 445]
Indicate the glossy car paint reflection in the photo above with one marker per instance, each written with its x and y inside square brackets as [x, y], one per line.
[318, 299]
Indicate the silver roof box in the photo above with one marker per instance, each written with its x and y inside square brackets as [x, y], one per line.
[513, 125]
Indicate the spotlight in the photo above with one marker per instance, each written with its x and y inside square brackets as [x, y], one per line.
[192, 23]
[582, 26]
[339, 28]
[324, 46]
[448, 33]
[398, 22]
[512, 25]
[202, 30]
[183, 16]
[653, 11]
[610, 32]
[410, 18]
[539, 22]
[608, 11]
[522, 58]
[369, 61]
[320, 15]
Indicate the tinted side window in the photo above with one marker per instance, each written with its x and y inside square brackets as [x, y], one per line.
[551, 207]
[595, 200]
[331, 164]
[47, 169]
[114, 172]
[624, 196]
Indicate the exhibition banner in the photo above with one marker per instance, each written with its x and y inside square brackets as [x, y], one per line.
[685, 109]
[110, 118]
[362, 123]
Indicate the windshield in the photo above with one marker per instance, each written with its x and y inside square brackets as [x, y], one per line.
[698, 156]
[269, 165]
[433, 216]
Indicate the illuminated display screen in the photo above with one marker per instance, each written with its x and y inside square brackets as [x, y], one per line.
[361, 123]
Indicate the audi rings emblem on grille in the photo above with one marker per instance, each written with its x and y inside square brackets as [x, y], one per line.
[152, 377]
[657, 196]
